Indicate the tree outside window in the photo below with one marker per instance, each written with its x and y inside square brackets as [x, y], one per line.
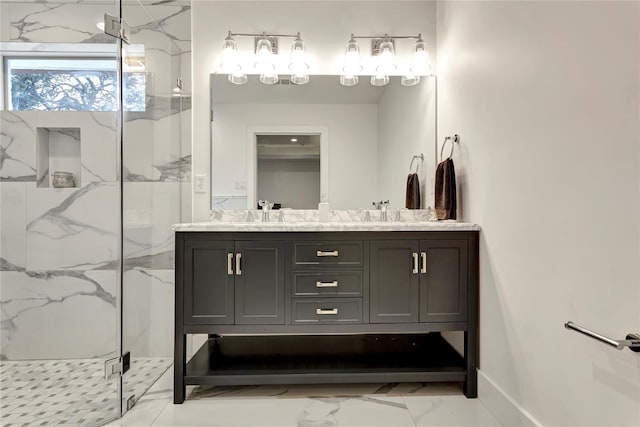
[53, 84]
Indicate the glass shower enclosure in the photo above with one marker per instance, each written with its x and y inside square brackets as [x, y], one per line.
[94, 169]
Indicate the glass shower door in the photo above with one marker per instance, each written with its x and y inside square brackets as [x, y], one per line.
[59, 216]
[155, 182]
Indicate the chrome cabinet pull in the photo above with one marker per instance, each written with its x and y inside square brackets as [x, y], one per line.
[326, 311]
[333, 284]
[230, 264]
[415, 262]
[326, 253]
[238, 266]
[424, 262]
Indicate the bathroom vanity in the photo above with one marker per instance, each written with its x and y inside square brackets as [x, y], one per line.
[310, 302]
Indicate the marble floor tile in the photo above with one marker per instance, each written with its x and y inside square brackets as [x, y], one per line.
[454, 411]
[72, 391]
[309, 405]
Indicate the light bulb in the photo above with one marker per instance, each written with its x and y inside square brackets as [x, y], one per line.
[386, 56]
[298, 64]
[352, 66]
[229, 62]
[263, 56]
[420, 62]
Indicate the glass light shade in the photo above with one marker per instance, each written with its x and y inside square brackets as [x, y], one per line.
[420, 61]
[229, 62]
[352, 64]
[299, 79]
[263, 56]
[237, 79]
[269, 79]
[379, 80]
[386, 56]
[409, 80]
[348, 80]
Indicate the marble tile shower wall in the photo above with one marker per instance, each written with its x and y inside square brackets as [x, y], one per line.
[58, 251]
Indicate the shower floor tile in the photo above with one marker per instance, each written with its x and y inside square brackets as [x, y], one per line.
[73, 392]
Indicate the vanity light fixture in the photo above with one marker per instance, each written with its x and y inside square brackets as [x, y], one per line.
[298, 66]
[419, 64]
[384, 54]
[266, 59]
[352, 66]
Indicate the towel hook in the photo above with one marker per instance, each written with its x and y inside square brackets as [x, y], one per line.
[454, 140]
[421, 157]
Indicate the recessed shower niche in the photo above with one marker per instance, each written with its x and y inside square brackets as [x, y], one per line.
[58, 157]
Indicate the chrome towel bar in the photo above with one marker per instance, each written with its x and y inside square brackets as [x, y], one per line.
[632, 340]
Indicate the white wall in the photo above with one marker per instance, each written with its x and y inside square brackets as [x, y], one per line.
[351, 141]
[545, 97]
[325, 27]
[406, 127]
[292, 183]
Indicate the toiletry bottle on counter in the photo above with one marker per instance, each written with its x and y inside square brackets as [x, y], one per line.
[323, 209]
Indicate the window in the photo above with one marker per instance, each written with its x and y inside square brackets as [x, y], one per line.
[70, 84]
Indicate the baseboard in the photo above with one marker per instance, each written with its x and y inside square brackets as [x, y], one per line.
[503, 407]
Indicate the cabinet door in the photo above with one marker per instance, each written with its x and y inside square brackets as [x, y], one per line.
[394, 281]
[443, 285]
[260, 283]
[208, 286]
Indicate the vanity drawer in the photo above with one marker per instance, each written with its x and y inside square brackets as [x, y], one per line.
[328, 284]
[328, 253]
[334, 310]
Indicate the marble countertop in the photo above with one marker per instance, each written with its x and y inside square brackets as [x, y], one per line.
[327, 226]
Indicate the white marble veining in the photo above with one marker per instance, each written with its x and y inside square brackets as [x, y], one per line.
[148, 311]
[18, 145]
[161, 157]
[339, 220]
[327, 226]
[58, 251]
[72, 228]
[149, 210]
[48, 315]
[13, 212]
[343, 405]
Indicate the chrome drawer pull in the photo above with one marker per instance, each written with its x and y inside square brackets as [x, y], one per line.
[415, 263]
[230, 264]
[327, 253]
[326, 311]
[238, 266]
[333, 284]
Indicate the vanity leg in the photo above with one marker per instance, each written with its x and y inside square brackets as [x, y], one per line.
[179, 368]
[470, 355]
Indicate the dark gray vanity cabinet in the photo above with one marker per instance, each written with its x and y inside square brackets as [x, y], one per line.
[443, 272]
[394, 282]
[418, 281]
[234, 282]
[330, 306]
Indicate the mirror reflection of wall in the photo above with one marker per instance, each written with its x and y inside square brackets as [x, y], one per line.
[372, 134]
[289, 170]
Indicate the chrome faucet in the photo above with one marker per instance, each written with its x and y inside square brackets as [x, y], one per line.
[382, 207]
[266, 207]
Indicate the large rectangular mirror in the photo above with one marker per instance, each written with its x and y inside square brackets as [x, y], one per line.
[296, 145]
